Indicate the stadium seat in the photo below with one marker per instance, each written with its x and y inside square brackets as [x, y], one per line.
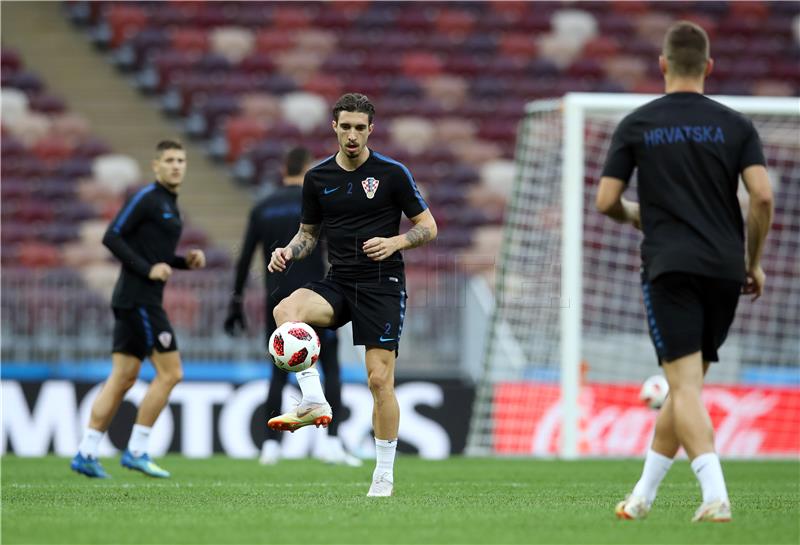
[115, 171]
[52, 149]
[46, 103]
[38, 255]
[189, 39]
[454, 21]
[304, 110]
[232, 43]
[125, 20]
[14, 105]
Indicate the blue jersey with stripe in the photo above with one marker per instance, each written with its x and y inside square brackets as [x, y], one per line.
[355, 206]
[145, 231]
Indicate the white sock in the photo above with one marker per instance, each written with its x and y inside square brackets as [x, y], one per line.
[655, 469]
[709, 473]
[311, 386]
[335, 444]
[385, 450]
[270, 444]
[271, 449]
[138, 442]
[90, 443]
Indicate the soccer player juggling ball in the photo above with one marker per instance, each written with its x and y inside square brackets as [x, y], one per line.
[689, 152]
[357, 195]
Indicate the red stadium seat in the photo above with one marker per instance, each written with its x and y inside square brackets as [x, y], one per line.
[125, 20]
[293, 17]
[518, 44]
[421, 64]
[189, 39]
[241, 134]
[52, 149]
[38, 255]
[454, 21]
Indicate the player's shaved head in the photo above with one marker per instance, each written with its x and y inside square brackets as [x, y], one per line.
[296, 161]
[686, 49]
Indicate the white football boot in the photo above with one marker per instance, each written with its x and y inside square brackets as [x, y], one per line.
[382, 486]
[632, 508]
[713, 511]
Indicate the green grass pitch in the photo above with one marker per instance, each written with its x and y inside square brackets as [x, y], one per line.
[460, 500]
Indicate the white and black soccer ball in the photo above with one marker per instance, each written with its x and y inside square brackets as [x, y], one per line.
[654, 391]
[294, 346]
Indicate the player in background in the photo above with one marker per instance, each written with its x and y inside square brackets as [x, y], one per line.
[689, 152]
[143, 236]
[357, 195]
[272, 223]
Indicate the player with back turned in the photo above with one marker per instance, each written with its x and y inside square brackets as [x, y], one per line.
[689, 152]
[273, 223]
[143, 236]
[357, 196]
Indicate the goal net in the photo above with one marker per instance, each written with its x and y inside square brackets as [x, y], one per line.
[568, 347]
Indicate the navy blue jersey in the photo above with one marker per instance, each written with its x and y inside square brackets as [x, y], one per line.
[689, 151]
[353, 207]
[145, 232]
[273, 223]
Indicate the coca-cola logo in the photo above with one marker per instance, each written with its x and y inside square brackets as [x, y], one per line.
[614, 422]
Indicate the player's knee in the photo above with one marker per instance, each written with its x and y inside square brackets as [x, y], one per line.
[282, 312]
[172, 376]
[127, 381]
[679, 390]
[380, 381]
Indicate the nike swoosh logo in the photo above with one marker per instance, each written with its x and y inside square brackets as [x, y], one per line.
[166, 215]
[305, 412]
[386, 339]
[328, 190]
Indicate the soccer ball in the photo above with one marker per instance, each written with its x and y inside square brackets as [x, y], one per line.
[654, 391]
[294, 346]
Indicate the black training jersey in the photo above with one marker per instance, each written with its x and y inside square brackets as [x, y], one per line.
[273, 222]
[688, 151]
[356, 206]
[145, 232]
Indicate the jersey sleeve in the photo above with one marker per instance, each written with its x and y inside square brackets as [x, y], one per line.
[246, 257]
[408, 195]
[620, 160]
[127, 219]
[752, 152]
[312, 212]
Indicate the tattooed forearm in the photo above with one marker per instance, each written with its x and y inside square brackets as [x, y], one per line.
[418, 235]
[304, 241]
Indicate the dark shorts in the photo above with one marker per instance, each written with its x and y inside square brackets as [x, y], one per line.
[687, 313]
[140, 330]
[377, 309]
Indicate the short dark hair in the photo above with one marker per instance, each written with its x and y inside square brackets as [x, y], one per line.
[354, 102]
[686, 48]
[164, 145]
[296, 160]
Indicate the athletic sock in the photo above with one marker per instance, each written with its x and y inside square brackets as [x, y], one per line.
[385, 450]
[709, 473]
[90, 443]
[655, 469]
[311, 386]
[138, 442]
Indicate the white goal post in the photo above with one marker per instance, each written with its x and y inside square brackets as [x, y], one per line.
[547, 243]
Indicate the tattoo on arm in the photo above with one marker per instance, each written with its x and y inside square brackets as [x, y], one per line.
[304, 241]
[418, 235]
